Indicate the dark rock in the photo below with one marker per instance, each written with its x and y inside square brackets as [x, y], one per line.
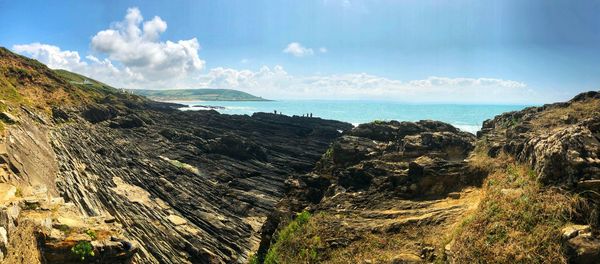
[98, 113]
[218, 174]
[560, 140]
[130, 121]
[59, 115]
[417, 162]
[583, 250]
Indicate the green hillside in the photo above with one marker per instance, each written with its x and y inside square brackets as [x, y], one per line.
[197, 94]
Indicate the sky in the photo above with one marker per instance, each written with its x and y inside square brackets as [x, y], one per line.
[500, 52]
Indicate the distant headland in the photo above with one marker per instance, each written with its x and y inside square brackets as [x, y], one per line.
[205, 94]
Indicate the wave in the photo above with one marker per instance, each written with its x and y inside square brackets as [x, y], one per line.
[468, 128]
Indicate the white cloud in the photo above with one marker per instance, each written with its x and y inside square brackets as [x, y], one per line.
[141, 51]
[51, 55]
[134, 56]
[130, 54]
[275, 82]
[298, 50]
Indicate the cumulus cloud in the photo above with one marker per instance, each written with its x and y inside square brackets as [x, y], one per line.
[298, 50]
[51, 55]
[134, 45]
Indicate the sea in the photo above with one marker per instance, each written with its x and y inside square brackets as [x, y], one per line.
[467, 117]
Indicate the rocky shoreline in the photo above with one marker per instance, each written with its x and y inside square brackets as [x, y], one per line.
[101, 176]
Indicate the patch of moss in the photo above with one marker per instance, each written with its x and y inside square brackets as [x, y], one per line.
[91, 234]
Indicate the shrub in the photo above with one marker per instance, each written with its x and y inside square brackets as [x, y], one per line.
[295, 243]
[83, 249]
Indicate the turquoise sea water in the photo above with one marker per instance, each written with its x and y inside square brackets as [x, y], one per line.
[466, 117]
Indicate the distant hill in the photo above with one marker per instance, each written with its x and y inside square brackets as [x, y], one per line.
[197, 94]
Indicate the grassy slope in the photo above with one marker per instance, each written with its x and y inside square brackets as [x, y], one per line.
[29, 82]
[198, 94]
[93, 85]
[518, 219]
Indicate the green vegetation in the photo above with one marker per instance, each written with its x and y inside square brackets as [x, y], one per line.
[328, 154]
[182, 165]
[253, 259]
[92, 234]
[511, 123]
[19, 192]
[518, 220]
[8, 93]
[65, 229]
[197, 94]
[297, 242]
[82, 81]
[83, 249]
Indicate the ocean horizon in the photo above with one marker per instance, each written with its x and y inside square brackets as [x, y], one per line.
[467, 117]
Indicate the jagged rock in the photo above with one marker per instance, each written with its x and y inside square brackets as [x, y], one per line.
[386, 179]
[572, 231]
[98, 113]
[584, 249]
[416, 162]
[59, 115]
[131, 121]
[561, 150]
[213, 171]
[8, 118]
[226, 172]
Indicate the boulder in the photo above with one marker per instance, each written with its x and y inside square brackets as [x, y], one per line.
[584, 249]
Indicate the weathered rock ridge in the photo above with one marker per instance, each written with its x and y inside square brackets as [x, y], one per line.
[188, 186]
[184, 187]
[399, 188]
[384, 180]
[561, 141]
[89, 173]
[390, 159]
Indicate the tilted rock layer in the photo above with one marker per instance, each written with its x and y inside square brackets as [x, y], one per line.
[186, 187]
[189, 186]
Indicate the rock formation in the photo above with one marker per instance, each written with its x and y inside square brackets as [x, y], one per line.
[185, 187]
[560, 141]
[92, 174]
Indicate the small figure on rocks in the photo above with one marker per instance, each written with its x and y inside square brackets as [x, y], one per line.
[310, 114]
[274, 111]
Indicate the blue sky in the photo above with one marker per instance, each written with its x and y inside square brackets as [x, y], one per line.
[434, 51]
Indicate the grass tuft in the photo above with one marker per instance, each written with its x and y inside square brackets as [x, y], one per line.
[295, 243]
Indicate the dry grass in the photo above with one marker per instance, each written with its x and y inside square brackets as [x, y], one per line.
[517, 221]
[579, 110]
